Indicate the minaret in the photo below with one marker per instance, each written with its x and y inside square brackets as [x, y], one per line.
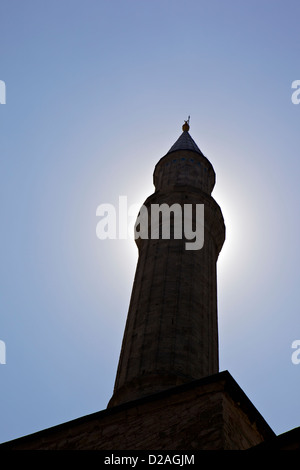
[171, 333]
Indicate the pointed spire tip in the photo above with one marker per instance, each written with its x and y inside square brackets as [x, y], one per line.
[186, 125]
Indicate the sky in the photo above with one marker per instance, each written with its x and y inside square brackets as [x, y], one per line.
[96, 93]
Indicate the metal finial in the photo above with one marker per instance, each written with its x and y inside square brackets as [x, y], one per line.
[186, 125]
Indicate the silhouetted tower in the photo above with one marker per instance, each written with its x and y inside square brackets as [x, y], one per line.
[171, 333]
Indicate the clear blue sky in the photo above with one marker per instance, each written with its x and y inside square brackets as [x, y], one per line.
[97, 92]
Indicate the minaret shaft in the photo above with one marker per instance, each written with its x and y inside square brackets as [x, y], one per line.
[171, 333]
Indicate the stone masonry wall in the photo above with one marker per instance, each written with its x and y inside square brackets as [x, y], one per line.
[197, 416]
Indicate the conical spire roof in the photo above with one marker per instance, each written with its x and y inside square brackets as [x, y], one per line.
[185, 141]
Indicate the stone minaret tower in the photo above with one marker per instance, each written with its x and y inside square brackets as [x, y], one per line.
[171, 334]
